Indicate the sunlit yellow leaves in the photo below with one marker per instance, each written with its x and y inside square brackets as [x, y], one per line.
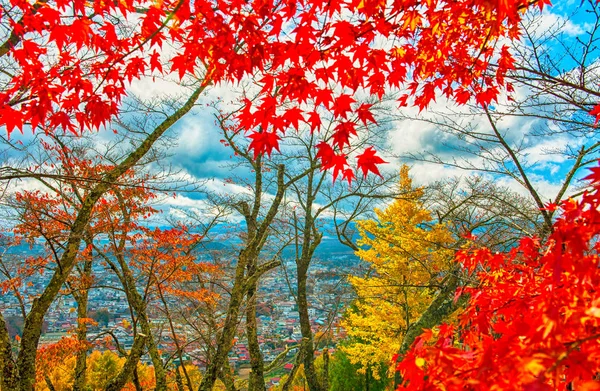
[408, 254]
[101, 368]
[534, 366]
[420, 362]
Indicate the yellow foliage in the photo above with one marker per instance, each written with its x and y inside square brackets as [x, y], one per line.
[193, 373]
[408, 254]
[101, 368]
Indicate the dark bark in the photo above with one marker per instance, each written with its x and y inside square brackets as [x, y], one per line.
[81, 361]
[128, 369]
[176, 341]
[307, 336]
[81, 296]
[290, 379]
[136, 380]
[257, 235]
[326, 369]
[256, 381]
[311, 239]
[9, 374]
[227, 335]
[439, 309]
[178, 380]
[49, 383]
[139, 305]
[226, 377]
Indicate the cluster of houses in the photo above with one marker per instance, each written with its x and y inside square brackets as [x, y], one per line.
[277, 315]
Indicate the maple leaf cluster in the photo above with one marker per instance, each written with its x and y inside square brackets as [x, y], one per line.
[73, 61]
[533, 323]
[52, 355]
[166, 256]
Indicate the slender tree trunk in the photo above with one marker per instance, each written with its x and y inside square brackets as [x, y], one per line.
[139, 306]
[326, 369]
[290, 379]
[309, 245]
[226, 377]
[117, 383]
[442, 306]
[9, 375]
[256, 239]
[136, 380]
[227, 335]
[159, 369]
[81, 363]
[179, 380]
[307, 336]
[81, 296]
[257, 375]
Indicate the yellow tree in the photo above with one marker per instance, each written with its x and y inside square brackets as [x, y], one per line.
[409, 257]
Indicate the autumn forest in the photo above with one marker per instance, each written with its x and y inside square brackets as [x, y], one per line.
[338, 195]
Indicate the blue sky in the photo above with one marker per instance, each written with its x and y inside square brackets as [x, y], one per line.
[199, 154]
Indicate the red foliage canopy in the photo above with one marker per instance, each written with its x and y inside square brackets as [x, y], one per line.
[533, 323]
[71, 61]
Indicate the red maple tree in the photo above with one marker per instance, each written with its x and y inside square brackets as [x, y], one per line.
[70, 62]
[533, 321]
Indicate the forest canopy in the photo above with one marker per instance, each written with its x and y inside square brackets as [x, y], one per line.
[301, 194]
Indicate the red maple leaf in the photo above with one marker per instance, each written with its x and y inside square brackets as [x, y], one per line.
[368, 161]
[263, 142]
[364, 113]
[293, 116]
[314, 120]
[331, 160]
[344, 32]
[325, 154]
[461, 96]
[11, 119]
[342, 133]
[343, 105]
[155, 62]
[594, 177]
[323, 96]
[426, 96]
[596, 113]
[348, 174]
[339, 163]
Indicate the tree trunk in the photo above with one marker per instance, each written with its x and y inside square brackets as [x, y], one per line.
[81, 296]
[256, 239]
[81, 363]
[256, 381]
[159, 369]
[137, 301]
[129, 367]
[227, 335]
[307, 336]
[178, 380]
[9, 375]
[290, 379]
[136, 380]
[326, 369]
[226, 377]
[442, 306]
